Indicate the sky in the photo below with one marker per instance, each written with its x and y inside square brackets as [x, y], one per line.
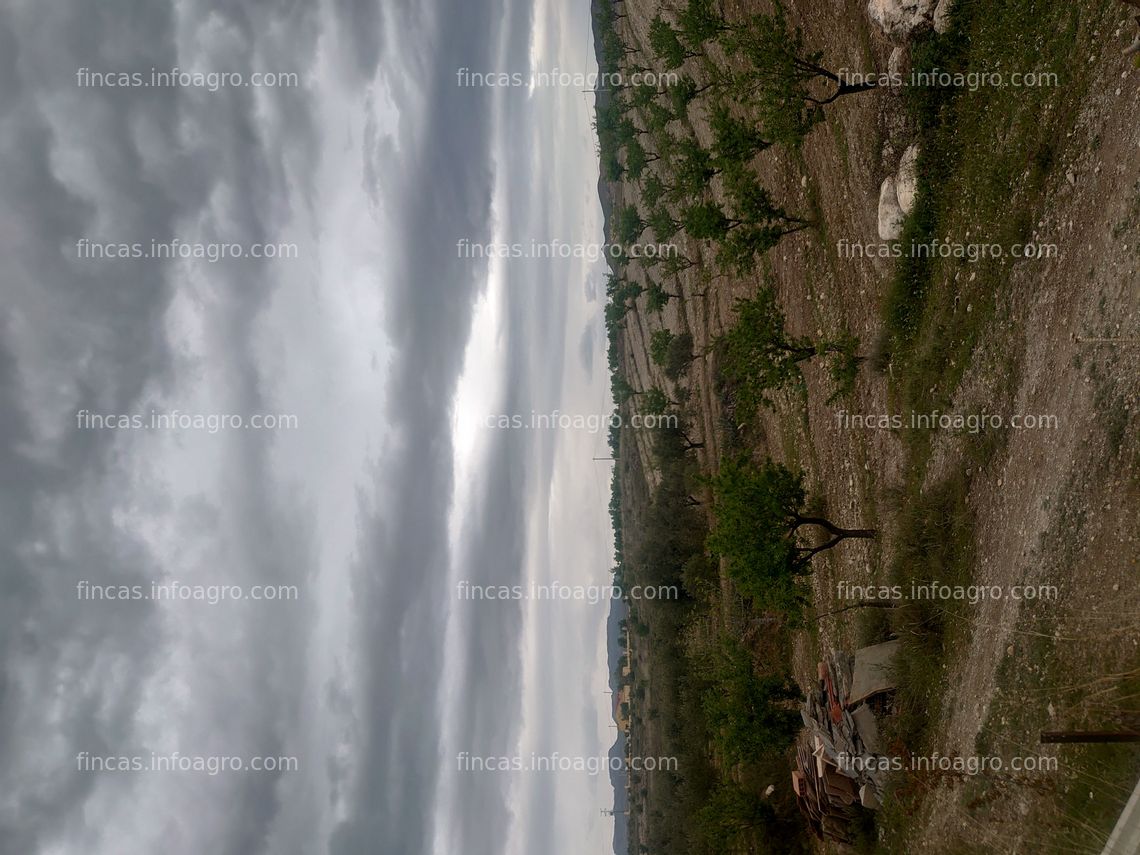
[388, 490]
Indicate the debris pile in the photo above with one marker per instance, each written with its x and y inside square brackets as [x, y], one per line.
[839, 762]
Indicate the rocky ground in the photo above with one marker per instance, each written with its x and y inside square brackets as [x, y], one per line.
[1055, 506]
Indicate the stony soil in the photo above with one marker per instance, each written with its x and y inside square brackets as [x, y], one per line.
[1057, 506]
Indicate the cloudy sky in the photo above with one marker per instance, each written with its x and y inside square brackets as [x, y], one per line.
[387, 348]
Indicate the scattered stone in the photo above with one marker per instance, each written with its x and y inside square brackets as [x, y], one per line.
[899, 62]
[942, 15]
[899, 18]
[906, 180]
[890, 214]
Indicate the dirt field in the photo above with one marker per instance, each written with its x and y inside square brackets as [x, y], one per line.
[1056, 506]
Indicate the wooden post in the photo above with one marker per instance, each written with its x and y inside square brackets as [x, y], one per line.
[1088, 736]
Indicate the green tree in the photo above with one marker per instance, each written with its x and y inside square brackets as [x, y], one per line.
[706, 221]
[667, 45]
[760, 522]
[699, 22]
[693, 170]
[608, 116]
[652, 191]
[655, 402]
[628, 225]
[740, 249]
[752, 202]
[663, 225]
[734, 140]
[673, 442]
[611, 166]
[622, 291]
[779, 71]
[658, 117]
[699, 576]
[747, 534]
[613, 51]
[678, 355]
[656, 297]
[666, 144]
[621, 389]
[637, 159]
[756, 223]
[642, 95]
[758, 355]
[676, 264]
[750, 717]
[659, 344]
[627, 131]
[683, 92]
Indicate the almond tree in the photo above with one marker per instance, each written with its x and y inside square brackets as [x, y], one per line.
[758, 355]
[667, 44]
[779, 74]
[762, 529]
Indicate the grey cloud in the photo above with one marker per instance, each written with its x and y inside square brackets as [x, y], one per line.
[361, 24]
[443, 193]
[586, 346]
[99, 341]
[154, 160]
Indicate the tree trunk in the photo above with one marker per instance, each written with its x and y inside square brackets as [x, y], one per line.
[807, 553]
[845, 89]
[799, 227]
[799, 354]
[841, 533]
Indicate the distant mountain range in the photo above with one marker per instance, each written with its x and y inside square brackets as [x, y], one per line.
[618, 612]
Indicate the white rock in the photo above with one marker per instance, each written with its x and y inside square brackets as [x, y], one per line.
[899, 62]
[900, 17]
[890, 214]
[942, 15]
[906, 181]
